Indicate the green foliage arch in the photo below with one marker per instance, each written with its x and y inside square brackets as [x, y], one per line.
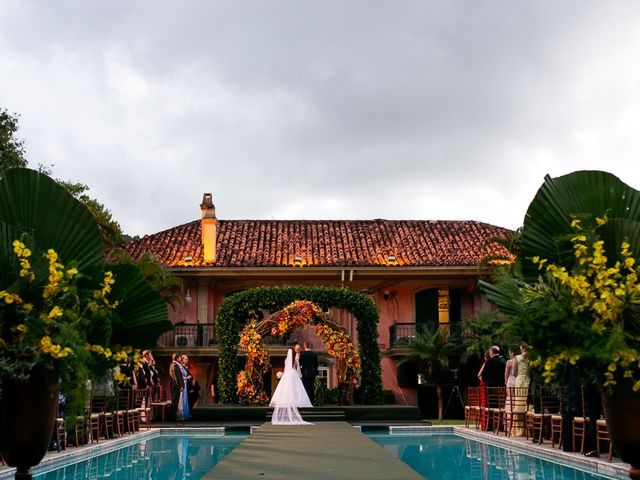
[236, 308]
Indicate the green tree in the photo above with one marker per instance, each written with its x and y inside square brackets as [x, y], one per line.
[158, 276]
[482, 330]
[432, 350]
[11, 148]
[12, 155]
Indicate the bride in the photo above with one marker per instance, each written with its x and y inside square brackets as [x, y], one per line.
[289, 395]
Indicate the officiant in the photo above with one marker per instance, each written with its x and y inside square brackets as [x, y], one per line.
[309, 369]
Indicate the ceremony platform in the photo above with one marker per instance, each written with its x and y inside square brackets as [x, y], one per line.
[325, 450]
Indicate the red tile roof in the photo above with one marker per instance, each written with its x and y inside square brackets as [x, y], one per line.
[326, 243]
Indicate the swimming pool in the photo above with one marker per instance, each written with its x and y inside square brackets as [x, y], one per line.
[449, 456]
[159, 457]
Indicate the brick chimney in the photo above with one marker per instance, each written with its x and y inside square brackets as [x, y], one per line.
[208, 226]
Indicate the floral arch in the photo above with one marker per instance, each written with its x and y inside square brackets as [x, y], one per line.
[233, 311]
[298, 314]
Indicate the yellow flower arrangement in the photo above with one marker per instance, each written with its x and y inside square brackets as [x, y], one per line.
[48, 316]
[599, 294]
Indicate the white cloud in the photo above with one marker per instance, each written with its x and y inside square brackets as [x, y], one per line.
[331, 110]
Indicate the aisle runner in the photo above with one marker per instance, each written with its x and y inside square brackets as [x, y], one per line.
[326, 450]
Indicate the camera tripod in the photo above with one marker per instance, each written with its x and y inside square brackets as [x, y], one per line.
[455, 391]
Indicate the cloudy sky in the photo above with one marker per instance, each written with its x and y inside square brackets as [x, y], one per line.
[323, 110]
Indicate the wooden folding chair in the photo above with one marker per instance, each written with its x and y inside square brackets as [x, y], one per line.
[80, 431]
[137, 409]
[515, 415]
[602, 435]
[579, 424]
[160, 403]
[472, 408]
[123, 402]
[495, 407]
[100, 407]
[549, 405]
[556, 421]
[60, 433]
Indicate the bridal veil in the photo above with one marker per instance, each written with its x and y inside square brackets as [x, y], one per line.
[289, 395]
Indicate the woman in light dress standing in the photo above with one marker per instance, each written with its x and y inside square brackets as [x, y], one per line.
[522, 381]
[510, 372]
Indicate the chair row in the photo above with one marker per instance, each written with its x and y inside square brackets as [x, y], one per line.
[508, 410]
[108, 416]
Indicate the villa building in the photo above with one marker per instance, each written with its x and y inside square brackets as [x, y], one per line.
[417, 273]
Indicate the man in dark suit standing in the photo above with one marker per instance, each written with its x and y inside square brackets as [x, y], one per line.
[493, 373]
[308, 369]
[177, 384]
[493, 376]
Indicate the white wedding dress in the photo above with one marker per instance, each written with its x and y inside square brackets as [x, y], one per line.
[289, 395]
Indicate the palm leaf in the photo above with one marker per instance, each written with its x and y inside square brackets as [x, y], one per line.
[8, 261]
[142, 313]
[619, 230]
[34, 204]
[550, 213]
[430, 347]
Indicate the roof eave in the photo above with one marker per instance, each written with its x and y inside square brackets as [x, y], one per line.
[405, 271]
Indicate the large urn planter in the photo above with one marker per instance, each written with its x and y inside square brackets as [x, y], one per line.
[27, 415]
[622, 411]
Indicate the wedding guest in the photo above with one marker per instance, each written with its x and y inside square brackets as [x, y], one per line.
[483, 392]
[150, 373]
[177, 384]
[510, 372]
[193, 393]
[493, 375]
[147, 358]
[522, 382]
[183, 407]
[493, 372]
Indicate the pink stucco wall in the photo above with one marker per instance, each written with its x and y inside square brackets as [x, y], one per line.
[395, 307]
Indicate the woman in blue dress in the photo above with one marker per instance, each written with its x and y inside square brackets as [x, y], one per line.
[183, 406]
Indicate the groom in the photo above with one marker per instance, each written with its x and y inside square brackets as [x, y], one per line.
[309, 369]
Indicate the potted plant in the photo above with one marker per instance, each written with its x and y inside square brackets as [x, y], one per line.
[577, 302]
[64, 314]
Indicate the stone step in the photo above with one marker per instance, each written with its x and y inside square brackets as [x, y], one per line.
[317, 414]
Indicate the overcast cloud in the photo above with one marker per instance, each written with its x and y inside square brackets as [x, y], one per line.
[323, 110]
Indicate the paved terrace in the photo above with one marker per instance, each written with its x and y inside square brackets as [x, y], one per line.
[325, 450]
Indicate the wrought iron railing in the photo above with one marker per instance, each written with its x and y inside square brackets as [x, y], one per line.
[400, 334]
[188, 336]
[202, 335]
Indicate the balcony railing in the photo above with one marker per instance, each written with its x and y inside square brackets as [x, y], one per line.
[202, 335]
[401, 333]
[188, 336]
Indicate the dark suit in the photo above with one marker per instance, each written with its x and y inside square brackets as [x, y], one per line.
[493, 373]
[309, 370]
[177, 384]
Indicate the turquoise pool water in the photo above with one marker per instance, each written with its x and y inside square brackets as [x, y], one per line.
[448, 456]
[165, 457]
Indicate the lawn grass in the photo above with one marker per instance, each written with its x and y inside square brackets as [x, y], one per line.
[444, 422]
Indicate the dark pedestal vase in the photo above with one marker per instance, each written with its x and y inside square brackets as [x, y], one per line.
[27, 414]
[622, 411]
